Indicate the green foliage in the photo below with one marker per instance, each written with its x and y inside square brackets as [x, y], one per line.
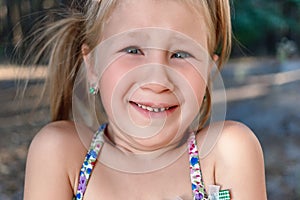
[258, 25]
[256, 22]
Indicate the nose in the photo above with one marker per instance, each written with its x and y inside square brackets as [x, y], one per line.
[158, 79]
[158, 73]
[156, 88]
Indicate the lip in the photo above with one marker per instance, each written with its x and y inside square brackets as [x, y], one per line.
[149, 114]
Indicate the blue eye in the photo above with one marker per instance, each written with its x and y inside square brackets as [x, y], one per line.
[133, 50]
[181, 55]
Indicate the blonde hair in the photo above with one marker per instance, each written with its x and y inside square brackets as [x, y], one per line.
[63, 39]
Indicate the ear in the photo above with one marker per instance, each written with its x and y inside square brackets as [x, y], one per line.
[214, 60]
[215, 57]
[89, 65]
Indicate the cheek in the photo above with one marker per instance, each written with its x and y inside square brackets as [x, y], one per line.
[197, 82]
[111, 79]
[107, 84]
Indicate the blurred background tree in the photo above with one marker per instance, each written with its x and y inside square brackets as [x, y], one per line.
[259, 26]
[17, 17]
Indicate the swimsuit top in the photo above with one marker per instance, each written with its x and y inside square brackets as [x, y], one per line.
[198, 189]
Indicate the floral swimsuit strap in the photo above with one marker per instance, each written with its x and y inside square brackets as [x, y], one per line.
[89, 162]
[198, 188]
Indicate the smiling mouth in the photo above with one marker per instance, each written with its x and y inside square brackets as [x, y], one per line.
[153, 109]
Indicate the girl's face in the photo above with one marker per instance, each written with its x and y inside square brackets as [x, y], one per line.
[152, 67]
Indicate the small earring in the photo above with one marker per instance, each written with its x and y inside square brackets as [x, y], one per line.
[93, 90]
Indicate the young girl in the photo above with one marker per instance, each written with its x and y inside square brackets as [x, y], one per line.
[146, 64]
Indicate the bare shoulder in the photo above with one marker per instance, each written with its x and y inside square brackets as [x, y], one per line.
[225, 137]
[239, 162]
[55, 138]
[58, 134]
[236, 135]
[55, 130]
[53, 162]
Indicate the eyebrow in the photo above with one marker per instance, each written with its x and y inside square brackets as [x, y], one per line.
[174, 38]
[138, 34]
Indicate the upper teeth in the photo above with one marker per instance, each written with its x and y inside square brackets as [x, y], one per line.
[152, 109]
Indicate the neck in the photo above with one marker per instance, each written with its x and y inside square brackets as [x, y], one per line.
[125, 153]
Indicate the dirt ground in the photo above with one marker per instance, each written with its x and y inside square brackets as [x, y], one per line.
[262, 93]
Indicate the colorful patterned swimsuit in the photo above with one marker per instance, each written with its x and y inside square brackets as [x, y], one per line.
[198, 189]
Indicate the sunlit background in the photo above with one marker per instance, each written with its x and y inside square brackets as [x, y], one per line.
[262, 82]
